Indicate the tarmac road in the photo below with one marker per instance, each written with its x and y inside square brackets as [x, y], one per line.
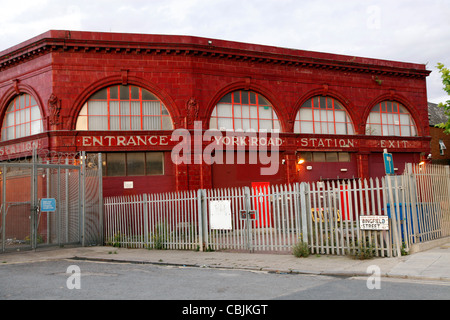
[112, 273]
[53, 280]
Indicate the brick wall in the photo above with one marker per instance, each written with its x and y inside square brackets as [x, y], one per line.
[436, 135]
[74, 65]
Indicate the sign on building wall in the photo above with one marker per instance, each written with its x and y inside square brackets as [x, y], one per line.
[124, 141]
[24, 148]
[351, 143]
[128, 185]
[220, 215]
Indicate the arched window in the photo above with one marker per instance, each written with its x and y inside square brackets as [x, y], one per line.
[244, 110]
[390, 118]
[124, 108]
[323, 115]
[22, 118]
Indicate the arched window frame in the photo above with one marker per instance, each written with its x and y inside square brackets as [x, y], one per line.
[244, 110]
[390, 118]
[22, 118]
[122, 108]
[323, 115]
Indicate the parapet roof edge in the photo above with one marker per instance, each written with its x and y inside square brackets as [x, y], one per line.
[184, 42]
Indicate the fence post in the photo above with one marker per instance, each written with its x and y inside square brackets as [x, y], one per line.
[100, 194]
[200, 219]
[34, 201]
[445, 222]
[3, 208]
[145, 204]
[248, 207]
[393, 215]
[83, 197]
[58, 207]
[410, 179]
[304, 210]
[66, 203]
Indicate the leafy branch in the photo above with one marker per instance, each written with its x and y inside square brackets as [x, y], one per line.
[445, 75]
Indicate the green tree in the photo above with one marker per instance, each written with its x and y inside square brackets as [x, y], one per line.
[445, 75]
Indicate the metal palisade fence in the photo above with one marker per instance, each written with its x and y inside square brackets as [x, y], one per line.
[262, 218]
[159, 221]
[413, 207]
[336, 207]
[423, 203]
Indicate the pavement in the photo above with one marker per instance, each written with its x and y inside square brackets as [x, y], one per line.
[429, 262]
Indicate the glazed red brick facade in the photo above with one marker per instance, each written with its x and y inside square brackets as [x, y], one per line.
[63, 69]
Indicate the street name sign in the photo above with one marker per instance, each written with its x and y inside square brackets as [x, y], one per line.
[377, 223]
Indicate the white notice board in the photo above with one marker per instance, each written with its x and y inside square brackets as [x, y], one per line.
[220, 215]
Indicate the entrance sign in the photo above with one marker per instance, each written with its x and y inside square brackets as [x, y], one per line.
[48, 205]
[374, 223]
[220, 215]
[388, 163]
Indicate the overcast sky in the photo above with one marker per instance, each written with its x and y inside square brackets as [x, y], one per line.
[412, 31]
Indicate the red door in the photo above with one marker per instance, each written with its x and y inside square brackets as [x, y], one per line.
[262, 204]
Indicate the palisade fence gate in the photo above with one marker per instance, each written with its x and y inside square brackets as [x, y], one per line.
[68, 185]
[324, 215]
[423, 203]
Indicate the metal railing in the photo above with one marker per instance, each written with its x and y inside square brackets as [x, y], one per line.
[159, 221]
[424, 203]
[325, 215]
[336, 208]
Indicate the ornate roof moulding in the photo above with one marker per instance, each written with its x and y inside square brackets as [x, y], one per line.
[97, 42]
[19, 56]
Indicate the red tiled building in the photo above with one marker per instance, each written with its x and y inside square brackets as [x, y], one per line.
[124, 95]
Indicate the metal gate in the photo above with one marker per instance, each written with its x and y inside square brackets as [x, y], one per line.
[263, 218]
[58, 180]
[422, 203]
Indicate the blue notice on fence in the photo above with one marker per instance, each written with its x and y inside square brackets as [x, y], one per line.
[48, 205]
[388, 163]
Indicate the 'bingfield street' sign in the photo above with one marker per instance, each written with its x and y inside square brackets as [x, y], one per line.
[373, 223]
